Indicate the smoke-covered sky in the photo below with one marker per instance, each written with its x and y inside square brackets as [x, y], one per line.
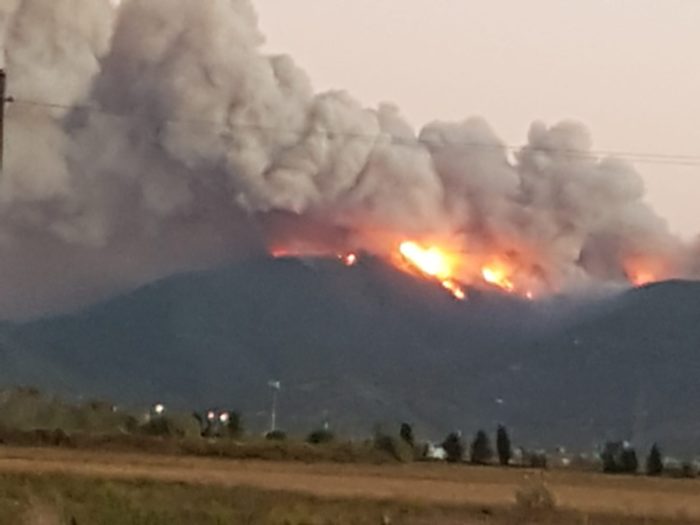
[627, 68]
[162, 136]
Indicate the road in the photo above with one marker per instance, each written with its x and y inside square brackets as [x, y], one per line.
[425, 483]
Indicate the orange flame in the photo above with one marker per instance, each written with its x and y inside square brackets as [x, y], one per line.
[433, 262]
[641, 278]
[455, 289]
[498, 275]
[641, 271]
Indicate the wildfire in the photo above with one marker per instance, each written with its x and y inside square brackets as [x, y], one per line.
[455, 289]
[497, 275]
[641, 271]
[435, 263]
[448, 268]
[431, 261]
[641, 278]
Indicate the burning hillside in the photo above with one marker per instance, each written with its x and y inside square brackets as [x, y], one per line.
[449, 269]
[151, 136]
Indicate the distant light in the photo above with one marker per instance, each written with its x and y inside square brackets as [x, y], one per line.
[211, 415]
[159, 409]
[350, 259]
[224, 417]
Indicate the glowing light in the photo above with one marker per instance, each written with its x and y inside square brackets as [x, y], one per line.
[430, 261]
[497, 275]
[434, 263]
[455, 289]
[641, 278]
[642, 271]
[348, 260]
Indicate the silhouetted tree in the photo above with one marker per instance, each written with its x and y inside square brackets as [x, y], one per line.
[503, 446]
[630, 464]
[406, 433]
[619, 458]
[655, 464]
[481, 452]
[454, 447]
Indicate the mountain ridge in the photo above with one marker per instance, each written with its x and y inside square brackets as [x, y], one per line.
[369, 344]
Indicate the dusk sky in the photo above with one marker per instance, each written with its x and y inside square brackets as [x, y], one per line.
[628, 69]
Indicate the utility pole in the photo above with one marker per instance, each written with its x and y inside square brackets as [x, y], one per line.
[275, 386]
[3, 89]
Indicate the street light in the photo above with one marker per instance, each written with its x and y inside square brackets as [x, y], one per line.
[275, 386]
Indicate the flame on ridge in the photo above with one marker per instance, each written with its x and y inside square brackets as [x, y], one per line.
[452, 269]
[498, 275]
[435, 263]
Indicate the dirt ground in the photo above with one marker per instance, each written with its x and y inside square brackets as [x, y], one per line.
[424, 483]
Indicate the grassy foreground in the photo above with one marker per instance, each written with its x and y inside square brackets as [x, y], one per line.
[59, 499]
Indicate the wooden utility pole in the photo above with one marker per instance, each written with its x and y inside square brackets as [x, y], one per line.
[3, 83]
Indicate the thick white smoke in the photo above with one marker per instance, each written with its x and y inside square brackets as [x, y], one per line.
[185, 145]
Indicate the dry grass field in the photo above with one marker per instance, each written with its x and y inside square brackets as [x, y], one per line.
[64, 485]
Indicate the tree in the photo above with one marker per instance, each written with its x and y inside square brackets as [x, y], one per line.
[503, 446]
[481, 451]
[454, 447]
[630, 464]
[619, 458]
[406, 433]
[655, 465]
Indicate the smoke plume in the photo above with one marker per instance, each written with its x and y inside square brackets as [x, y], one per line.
[158, 137]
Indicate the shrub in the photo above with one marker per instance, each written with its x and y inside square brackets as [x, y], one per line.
[688, 470]
[234, 426]
[161, 427]
[535, 498]
[276, 435]
[318, 437]
[397, 448]
[536, 460]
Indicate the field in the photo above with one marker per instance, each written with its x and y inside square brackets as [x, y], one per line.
[46, 486]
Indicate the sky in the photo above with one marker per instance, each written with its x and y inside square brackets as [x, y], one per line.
[628, 69]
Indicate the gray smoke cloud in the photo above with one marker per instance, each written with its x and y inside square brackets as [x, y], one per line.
[175, 143]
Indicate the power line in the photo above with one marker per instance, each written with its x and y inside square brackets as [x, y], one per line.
[635, 157]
